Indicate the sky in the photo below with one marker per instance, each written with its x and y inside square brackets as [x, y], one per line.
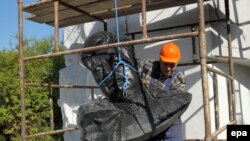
[9, 25]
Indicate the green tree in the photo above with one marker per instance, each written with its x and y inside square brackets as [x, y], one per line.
[37, 98]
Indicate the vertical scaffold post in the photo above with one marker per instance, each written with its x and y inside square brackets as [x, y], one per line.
[144, 19]
[56, 26]
[203, 53]
[231, 65]
[52, 124]
[21, 69]
[216, 102]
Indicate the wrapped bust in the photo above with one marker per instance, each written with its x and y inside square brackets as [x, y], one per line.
[129, 111]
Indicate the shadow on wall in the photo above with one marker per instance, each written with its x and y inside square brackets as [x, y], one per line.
[242, 98]
[219, 29]
[195, 109]
[183, 16]
[176, 18]
[70, 36]
[195, 113]
[79, 33]
[73, 59]
[221, 34]
[242, 89]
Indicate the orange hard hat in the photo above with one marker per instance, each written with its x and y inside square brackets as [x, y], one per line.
[170, 52]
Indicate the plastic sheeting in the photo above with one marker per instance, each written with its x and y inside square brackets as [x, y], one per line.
[125, 114]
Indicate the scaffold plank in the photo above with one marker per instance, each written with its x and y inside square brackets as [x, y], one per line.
[43, 12]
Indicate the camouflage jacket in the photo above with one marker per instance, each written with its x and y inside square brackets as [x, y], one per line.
[152, 79]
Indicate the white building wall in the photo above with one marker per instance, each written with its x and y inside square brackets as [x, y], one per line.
[242, 91]
[193, 118]
[75, 74]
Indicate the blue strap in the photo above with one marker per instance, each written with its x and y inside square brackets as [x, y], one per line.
[120, 60]
[169, 80]
[117, 28]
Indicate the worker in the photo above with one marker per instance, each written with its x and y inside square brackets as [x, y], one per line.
[163, 75]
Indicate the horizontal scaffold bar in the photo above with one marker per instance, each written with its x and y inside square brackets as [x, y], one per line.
[113, 45]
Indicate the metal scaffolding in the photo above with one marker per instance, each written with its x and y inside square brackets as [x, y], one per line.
[144, 7]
